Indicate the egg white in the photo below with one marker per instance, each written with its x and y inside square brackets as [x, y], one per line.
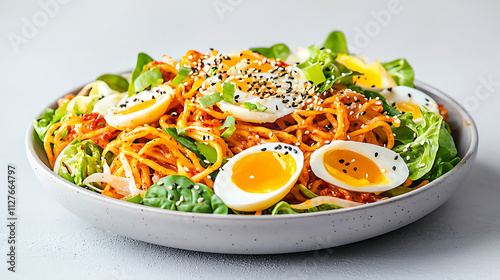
[240, 200]
[404, 94]
[275, 107]
[162, 95]
[385, 160]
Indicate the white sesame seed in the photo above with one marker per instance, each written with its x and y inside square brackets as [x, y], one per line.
[200, 200]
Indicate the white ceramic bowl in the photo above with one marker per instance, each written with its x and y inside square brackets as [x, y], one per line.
[263, 234]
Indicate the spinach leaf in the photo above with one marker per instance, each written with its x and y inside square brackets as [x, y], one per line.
[176, 192]
[142, 60]
[135, 199]
[202, 151]
[115, 82]
[79, 160]
[401, 72]
[386, 107]
[336, 42]
[152, 77]
[420, 153]
[280, 51]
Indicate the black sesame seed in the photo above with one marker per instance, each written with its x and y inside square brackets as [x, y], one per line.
[200, 191]
[394, 168]
[174, 185]
[355, 169]
[279, 147]
[170, 197]
[376, 154]
[341, 161]
[263, 149]
[189, 186]
[343, 170]
[396, 157]
[347, 163]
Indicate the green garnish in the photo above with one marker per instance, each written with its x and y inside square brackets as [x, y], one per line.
[152, 78]
[210, 100]
[115, 82]
[182, 73]
[229, 123]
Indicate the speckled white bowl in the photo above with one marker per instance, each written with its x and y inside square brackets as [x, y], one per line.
[263, 234]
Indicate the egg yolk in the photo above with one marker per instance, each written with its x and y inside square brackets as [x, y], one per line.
[263, 172]
[138, 107]
[253, 60]
[410, 108]
[352, 168]
[372, 75]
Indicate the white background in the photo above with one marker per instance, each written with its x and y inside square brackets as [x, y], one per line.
[50, 49]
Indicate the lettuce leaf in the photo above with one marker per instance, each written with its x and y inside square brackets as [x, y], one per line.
[48, 118]
[280, 51]
[79, 160]
[335, 42]
[401, 72]
[427, 148]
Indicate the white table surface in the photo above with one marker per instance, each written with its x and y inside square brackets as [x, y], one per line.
[49, 49]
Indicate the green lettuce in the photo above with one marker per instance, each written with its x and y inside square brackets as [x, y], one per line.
[427, 148]
[48, 118]
[335, 42]
[401, 72]
[79, 160]
[280, 51]
[176, 192]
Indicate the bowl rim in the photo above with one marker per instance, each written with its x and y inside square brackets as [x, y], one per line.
[469, 154]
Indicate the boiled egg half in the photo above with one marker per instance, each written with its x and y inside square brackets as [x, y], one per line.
[360, 167]
[277, 87]
[408, 100]
[374, 74]
[259, 177]
[142, 108]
